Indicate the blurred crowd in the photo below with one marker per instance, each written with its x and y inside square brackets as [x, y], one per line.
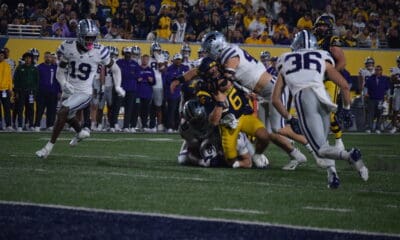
[366, 24]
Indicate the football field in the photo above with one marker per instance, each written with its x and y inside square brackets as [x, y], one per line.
[115, 185]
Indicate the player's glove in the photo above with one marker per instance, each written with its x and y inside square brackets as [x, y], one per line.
[120, 91]
[294, 124]
[68, 88]
[346, 117]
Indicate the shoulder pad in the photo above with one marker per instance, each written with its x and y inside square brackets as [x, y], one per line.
[336, 42]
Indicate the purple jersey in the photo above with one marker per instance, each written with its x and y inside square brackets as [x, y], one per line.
[128, 74]
[47, 78]
[145, 82]
[172, 72]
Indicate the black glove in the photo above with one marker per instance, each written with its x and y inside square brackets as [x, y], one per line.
[294, 124]
[346, 117]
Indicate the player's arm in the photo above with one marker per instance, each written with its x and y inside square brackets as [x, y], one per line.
[338, 55]
[116, 74]
[230, 67]
[186, 77]
[276, 97]
[62, 79]
[216, 114]
[336, 77]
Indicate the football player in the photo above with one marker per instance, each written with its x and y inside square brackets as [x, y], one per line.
[312, 102]
[157, 63]
[202, 142]
[366, 72]
[332, 44]
[231, 110]
[80, 57]
[395, 77]
[136, 53]
[249, 75]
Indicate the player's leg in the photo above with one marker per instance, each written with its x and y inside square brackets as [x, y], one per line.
[333, 91]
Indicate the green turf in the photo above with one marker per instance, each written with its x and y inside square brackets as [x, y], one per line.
[139, 172]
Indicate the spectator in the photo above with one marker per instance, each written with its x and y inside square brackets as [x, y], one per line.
[73, 27]
[106, 28]
[265, 39]
[253, 38]
[281, 28]
[61, 25]
[393, 37]
[5, 12]
[364, 39]
[216, 24]
[377, 87]
[10, 61]
[115, 33]
[258, 23]
[359, 22]
[6, 86]
[26, 81]
[48, 92]
[20, 14]
[237, 36]
[305, 22]
[178, 29]
[349, 39]
[163, 25]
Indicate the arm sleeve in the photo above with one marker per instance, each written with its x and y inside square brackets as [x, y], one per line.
[116, 73]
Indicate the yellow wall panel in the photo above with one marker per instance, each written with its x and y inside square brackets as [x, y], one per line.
[355, 57]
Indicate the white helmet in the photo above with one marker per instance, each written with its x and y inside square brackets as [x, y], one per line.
[185, 50]
[213, 43]
[155, 46]
[87, 28]
[304, 40]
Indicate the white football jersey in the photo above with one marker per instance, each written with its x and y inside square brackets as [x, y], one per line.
[306, 69]
[157, 74]
[249, 70]
[365, 72]
[395, 71]
[83, 66]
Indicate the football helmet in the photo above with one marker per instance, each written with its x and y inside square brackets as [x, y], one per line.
[126, 50]
[155, 46]
[165, 53]
[185, 50]
[214, 43]
[369, 62]
[195, 114]
[35, 52]
[114, 52]
[265, 56]
[304, 40]
[136, 50]
[319, 30]
[201, 53]
[87, 33]
[177, 56]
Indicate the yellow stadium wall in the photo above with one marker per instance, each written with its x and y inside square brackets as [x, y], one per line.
[355, 57]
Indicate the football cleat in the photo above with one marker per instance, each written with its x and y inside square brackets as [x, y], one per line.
[79, 137]
[355, 160]
[292, 165]
[333, 179]
[43, 153]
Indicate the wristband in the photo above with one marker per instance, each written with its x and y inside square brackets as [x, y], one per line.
[220, 104]
[181, 79]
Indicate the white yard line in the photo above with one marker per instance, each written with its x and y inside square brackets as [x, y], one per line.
[341, 210]
[194, 218]
[233, 210]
